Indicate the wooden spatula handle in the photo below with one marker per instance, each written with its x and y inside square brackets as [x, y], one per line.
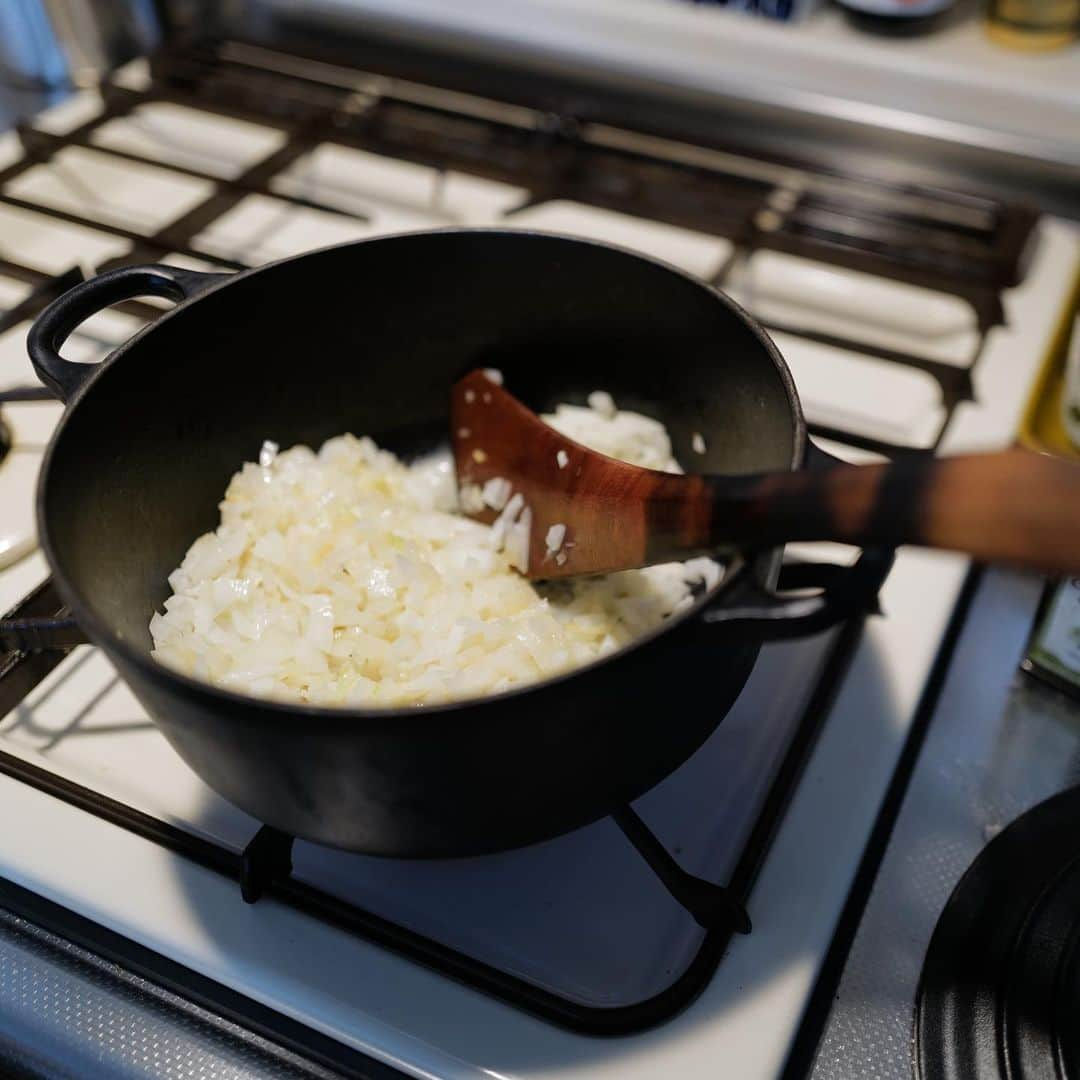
[1013, 507]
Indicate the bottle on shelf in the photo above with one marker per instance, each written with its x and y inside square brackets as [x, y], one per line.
[1033, 24]
[1070, 391]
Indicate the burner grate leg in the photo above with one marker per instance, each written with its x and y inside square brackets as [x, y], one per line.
[267, 858]
[712, 906]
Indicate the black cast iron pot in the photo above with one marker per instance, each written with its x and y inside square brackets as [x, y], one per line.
[367, 338]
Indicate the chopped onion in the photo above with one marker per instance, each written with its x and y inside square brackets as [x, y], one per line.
[472, 498]
[496, 492]
[517, 541]
[345, 577]
[602, 402]
[555, 537]
[627, 436]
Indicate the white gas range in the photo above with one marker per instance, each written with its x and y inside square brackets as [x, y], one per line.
[568, 958]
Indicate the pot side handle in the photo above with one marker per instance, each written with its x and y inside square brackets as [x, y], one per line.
[841, 592]
[53, 326]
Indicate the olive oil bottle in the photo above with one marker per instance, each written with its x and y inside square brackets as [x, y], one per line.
[1033, 24]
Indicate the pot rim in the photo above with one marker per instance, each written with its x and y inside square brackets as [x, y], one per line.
[102, 634]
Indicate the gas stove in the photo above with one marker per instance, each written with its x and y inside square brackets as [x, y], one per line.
[913, 319]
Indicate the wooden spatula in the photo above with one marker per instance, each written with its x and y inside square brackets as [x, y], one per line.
[592, 514]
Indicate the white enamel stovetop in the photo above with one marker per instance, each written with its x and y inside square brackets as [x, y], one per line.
[743, 1023]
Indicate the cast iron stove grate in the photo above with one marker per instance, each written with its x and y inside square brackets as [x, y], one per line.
[958, 243]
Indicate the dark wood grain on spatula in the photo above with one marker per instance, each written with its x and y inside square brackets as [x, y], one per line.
[1013, 507]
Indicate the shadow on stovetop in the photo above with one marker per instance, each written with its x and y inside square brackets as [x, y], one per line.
[511, 910]
[23, 722]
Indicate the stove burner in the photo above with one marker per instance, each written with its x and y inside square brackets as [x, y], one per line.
[1000, 988]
